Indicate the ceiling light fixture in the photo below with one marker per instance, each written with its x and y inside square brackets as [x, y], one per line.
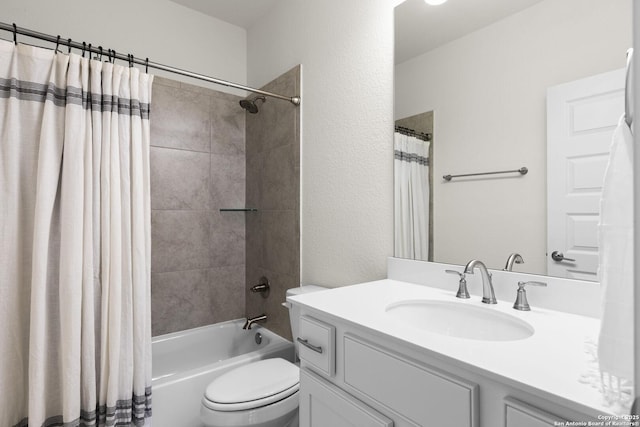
[434, 2]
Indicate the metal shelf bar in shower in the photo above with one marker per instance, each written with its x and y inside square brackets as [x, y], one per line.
[60, 41]
[523, 171]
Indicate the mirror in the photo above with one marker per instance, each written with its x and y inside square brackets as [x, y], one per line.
[481, 70]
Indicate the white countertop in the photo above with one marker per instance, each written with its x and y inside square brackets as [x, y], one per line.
[553, 360]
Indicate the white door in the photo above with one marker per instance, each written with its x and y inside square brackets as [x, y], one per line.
[581, 118]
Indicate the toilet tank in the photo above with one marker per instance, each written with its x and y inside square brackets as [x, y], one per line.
[294, 311]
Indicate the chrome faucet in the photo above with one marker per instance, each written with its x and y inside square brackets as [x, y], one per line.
[488, 296]
[251, 320]
[514, 258]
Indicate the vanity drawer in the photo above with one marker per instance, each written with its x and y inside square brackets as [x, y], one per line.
[425, 396]
[519, 414]
[316, 344]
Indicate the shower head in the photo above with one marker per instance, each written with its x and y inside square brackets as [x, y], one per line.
[250, 104]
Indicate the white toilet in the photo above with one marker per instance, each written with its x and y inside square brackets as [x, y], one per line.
[258, 394]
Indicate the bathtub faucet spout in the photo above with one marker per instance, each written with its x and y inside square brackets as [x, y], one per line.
[251, 320]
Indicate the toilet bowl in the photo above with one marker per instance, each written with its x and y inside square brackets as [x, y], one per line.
[262, 393]
[258, 394]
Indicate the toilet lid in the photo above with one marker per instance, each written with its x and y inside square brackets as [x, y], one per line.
[253, 385]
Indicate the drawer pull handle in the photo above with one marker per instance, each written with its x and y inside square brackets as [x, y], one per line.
[305, 343]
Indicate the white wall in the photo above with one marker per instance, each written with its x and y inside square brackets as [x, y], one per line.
[636, 206]
[488, 93]
[346, 52]
[163, 31]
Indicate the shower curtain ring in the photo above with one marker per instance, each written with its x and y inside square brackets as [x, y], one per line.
[100, 49]
[69, 46]
[146, 66]
[84, 48]
[57, 43]
[15, 34]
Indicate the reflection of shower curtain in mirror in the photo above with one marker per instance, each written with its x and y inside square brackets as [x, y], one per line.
[411, 194]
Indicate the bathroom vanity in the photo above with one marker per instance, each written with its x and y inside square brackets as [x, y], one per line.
[372, 356]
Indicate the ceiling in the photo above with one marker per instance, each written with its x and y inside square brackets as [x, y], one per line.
[243, 13]
[420, 28]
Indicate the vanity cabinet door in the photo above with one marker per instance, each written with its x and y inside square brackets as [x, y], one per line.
[518, 414]
[422, 395]
[324, 405]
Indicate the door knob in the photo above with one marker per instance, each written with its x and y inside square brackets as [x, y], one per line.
[559, 256]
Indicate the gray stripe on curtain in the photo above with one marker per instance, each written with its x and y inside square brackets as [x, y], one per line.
[410, 157]
[36, 92]
[117, 416]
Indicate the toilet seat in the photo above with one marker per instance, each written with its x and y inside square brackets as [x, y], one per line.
[253, 386]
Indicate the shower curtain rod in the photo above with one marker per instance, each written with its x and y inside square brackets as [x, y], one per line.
[112, 55]
[411, 132]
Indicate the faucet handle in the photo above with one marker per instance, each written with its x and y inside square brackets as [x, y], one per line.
[455, 272]
[521, 299]
[262, 287]
[521, 285]
[462, 285]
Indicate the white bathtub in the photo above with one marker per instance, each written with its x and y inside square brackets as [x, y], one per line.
[185, 362]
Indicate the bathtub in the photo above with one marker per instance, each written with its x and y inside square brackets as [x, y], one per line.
[185, 362]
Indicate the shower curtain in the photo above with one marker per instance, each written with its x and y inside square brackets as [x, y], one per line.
[75, 340]
[411, 197]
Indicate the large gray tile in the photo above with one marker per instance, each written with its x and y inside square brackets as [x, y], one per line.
[228, 181]
[279, 118]
[227, 238]
[227, 126]
[288, 82]
[254, 177]
[297, 190]
[254, 237]
[180, 119]
[180, 179]
[255, 126]
[279, 179]
[226, 96]
[195, 88]
[163, 81]
[180, 300]
[227, 288]
[280, 244]
[278, 122]
[273, 126]
[180, 240]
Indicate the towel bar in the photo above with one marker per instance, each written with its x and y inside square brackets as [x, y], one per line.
[523, 171]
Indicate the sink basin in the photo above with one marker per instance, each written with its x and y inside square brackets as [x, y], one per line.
[460, 320]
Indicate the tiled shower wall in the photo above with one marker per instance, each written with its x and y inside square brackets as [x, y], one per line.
[273, 186]
[197, 167]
